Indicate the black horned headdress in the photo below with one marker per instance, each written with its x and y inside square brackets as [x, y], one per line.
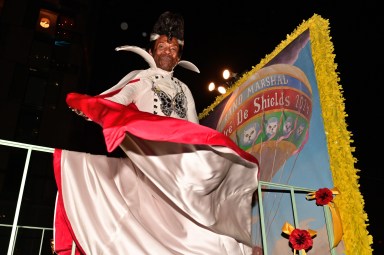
[171, 25]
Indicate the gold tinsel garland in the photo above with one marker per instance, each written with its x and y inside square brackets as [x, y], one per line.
[350, 202]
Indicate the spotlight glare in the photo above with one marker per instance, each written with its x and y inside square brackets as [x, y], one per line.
[211, 86]
[226, 74]
[45, 22]
[222, 89]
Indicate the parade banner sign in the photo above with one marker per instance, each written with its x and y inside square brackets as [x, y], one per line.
[288, 112]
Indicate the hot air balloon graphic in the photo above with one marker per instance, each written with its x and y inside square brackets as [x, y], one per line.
[269, 114]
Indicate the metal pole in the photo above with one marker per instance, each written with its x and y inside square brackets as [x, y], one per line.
[21, 191]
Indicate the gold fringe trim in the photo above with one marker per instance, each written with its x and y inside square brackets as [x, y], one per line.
[356, 238]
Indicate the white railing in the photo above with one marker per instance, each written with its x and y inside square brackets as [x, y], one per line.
[14, 226]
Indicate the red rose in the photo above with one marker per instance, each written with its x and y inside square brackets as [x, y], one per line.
[300, 239]
[323, 196]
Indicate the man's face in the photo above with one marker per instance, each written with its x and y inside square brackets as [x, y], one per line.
[166, 53]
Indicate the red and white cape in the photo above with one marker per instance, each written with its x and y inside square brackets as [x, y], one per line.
[182, 189]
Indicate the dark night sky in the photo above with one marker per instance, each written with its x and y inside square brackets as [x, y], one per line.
[237, 34]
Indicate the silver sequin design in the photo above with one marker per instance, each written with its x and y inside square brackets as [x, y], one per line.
[169, 104]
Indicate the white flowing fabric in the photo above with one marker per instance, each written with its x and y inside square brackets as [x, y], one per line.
[118, 207]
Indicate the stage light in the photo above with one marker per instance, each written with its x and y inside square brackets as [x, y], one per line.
[211, 86]
[222, 89]
[226, 81]
[228, 74]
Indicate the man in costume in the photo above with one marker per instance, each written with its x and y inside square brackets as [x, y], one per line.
[182, 189]
[156, 90]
